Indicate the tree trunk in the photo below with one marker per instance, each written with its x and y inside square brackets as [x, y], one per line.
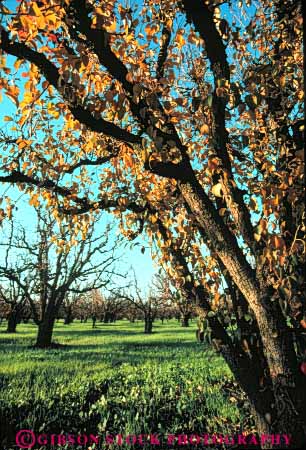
[45, 331]
[68, 317]
[286, 418]
[185, 320]
[12, 321]
[276, 410]
[106, 318]
[148, 325]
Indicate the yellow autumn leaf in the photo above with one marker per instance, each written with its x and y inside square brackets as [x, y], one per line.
[9, 210]
[180, 40]
[217, 190]
[204, 129]
[222, 211]
[34, 200]
[25, 165]
[25, 22]
[24, 143]
[282, 81]
[52, 18]
[111, 28]
[36, 9]
[18, 63]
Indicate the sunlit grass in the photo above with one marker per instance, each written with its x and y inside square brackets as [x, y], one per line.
[114, 379]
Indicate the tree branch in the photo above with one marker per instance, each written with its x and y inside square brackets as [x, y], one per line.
[203, 19]
[52, 75]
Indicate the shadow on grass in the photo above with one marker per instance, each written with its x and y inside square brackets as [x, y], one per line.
[118, 353]
[124, 332]
[111, 354]
[95, 331]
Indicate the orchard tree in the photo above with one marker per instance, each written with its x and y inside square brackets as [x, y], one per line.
[12, 296]
[83, 307]
[54, 264]
[184, 118]
[185, 308]
[15, 300]
[4, 310]
[70, 305]
[113, 307]
[183, 305]
[132, 313]
[149, 305]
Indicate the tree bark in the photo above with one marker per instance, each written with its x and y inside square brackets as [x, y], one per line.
[279, 348]
[185, 320]
[68, 317]
[45, 331]
[285, 419]
[148, 325]
[268, 373]
[12, 321]
[107, 317]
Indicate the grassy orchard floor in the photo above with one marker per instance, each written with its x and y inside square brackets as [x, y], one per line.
[115, 379]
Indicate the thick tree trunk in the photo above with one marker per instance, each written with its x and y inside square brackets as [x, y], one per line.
[268, 374]
[148, 325]
[12, 321]
[45, 331]
[284, 413]
[279, 413]
[278, 344]
[276, 411]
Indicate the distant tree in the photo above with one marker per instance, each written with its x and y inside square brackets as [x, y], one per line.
[54, 264]
[113, 307]
[132, 313]
[15, 300]
[184, 305]
[4, 310]
[69, 306]
[83, 307]
[150, 305]
[105, 307]
[12, 296]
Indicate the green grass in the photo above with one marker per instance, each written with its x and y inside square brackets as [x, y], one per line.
[115, 379]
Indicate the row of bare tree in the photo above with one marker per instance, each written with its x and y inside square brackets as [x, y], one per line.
[51, 273]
